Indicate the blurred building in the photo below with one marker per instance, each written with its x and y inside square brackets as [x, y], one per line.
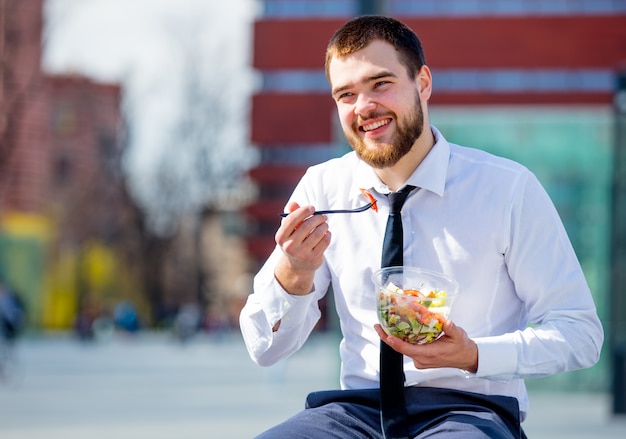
[527, 79]
[61, 139]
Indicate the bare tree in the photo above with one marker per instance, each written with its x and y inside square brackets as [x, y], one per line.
[205, 158]
[206, 153]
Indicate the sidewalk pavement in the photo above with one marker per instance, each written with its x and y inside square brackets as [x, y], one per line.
[152, 386]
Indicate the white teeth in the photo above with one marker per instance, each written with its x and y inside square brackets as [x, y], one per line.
[373, 126]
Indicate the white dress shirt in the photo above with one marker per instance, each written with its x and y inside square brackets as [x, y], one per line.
[481, 219]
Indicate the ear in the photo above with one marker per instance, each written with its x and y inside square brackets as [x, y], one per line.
[424, 82]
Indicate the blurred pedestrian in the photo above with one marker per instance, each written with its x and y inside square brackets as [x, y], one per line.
[187, 321]
[12, 313]
[125, 317]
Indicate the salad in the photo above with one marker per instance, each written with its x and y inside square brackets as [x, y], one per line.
[411, 315]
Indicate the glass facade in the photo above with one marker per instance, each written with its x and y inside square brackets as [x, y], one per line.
[570, 150]
[309, 8]
[467, 80]
[426, 8]
[498, 7]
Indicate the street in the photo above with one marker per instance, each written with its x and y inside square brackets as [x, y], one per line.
[153, 386]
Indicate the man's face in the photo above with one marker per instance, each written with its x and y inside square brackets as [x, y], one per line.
[379, 105]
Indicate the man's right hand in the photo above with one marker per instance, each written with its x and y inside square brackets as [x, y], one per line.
[303, 238]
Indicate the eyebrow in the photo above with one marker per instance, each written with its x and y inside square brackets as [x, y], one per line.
[381, 75]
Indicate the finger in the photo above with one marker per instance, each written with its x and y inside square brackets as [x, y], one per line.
[393, 342]
[291, 223]
[290, 207]
[400, 345]
[297, 215]
[306, 243]
[380, 331]
[309, 231]
[314, 228]
[321, 246]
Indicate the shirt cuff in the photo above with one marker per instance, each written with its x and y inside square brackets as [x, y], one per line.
[291, 310]
[497, 357]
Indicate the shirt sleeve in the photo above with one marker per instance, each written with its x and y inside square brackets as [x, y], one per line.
[564, 331]
[269, 304]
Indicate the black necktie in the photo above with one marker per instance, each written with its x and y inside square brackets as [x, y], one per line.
[392, 401]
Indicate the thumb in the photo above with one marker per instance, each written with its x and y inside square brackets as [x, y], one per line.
[291, 206]
[450, 328]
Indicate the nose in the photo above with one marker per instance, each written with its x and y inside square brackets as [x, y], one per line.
[364, 106]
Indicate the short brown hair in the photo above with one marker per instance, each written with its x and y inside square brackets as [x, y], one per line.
[357, 33]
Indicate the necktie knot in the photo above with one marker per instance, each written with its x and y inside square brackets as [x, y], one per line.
[397, 199]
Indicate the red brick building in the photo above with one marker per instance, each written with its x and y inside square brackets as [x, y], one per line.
[50, 124]
[22, 105]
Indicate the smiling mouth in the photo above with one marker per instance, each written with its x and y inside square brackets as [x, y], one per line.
[374, 125]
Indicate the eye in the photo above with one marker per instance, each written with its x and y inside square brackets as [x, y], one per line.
[380, 84]
[344, 96]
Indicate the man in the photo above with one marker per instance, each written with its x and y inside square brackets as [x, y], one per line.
[524, 308]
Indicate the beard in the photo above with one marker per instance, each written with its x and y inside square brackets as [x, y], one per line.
[384, 155]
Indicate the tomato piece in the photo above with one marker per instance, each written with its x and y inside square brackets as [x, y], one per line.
[369, 198]
[418, 308]
[415, 293]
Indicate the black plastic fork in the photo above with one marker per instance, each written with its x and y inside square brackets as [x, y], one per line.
[326, 212]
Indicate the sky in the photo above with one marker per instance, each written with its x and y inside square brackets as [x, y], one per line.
[139, 44]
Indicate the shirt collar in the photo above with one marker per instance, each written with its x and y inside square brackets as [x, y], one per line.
[430, 174]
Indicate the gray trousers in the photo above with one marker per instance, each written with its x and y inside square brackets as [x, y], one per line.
[432, 413]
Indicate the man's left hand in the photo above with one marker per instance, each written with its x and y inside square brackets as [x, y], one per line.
[453, 349]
